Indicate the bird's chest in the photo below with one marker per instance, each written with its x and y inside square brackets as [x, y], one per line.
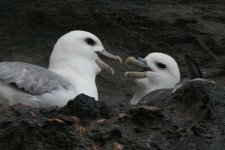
[84, 82]
[58, 97]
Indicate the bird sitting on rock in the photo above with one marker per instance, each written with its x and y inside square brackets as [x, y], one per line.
[73, 66]
[160, 71]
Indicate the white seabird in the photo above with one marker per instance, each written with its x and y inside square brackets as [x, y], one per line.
[194, 74]
[73, 66]
[160, 72]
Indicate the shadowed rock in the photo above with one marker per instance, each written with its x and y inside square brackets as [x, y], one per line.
[85, 107]
[190, 118]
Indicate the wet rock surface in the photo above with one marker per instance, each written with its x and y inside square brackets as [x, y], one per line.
[190, 118]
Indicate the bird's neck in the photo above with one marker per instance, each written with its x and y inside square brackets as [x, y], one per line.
[143, 87]
[79, 72]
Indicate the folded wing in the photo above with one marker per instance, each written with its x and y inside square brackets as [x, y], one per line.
[33, 79]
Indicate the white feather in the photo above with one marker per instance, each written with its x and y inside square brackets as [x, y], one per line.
[157, 78]
[72, 59]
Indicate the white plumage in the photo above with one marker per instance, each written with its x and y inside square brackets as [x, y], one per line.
[73, 66]
[160, 72]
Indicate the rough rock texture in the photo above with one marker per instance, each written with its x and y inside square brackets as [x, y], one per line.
[85, 107]
[190, 118]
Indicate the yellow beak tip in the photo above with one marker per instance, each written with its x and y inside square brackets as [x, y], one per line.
[129, 59]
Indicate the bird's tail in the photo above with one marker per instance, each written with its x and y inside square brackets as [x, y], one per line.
[193, 69]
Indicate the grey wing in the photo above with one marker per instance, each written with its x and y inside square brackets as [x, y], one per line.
[33, 79]
[192, 68]
[159, 96]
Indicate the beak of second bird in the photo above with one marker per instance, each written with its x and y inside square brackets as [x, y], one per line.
[138, 62]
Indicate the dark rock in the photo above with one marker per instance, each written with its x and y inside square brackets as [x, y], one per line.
[148, 112]
[70, 120]
[184, 21]
[103, 134]
[190, 118]
[192, 111]
[85, 107]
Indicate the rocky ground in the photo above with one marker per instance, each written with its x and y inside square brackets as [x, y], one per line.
[190, 118]
[29, 29]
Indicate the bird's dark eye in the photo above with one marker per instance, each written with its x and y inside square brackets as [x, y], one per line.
[161, 65]
[90, 41]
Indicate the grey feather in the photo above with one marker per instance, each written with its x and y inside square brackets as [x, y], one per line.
[193, 69]
[160, 96]
[33, 79]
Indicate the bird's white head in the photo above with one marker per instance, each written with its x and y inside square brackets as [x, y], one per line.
[80, 48]
[159, 71]
[76, 57]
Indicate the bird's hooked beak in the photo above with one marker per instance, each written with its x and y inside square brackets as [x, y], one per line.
[102, 64]
[138, 62]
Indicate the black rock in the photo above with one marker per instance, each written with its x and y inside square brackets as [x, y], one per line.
[190, 118]
[85, 107]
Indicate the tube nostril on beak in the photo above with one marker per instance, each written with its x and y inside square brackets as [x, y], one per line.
[142, 60]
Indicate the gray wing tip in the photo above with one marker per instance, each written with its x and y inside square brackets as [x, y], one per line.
[193, 69]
